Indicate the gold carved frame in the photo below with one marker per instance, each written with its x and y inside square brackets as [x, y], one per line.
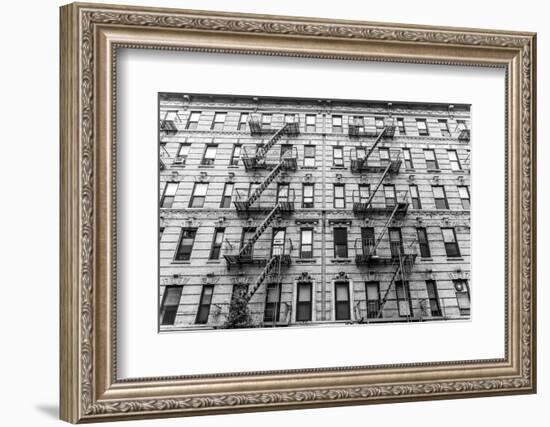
[90, 36]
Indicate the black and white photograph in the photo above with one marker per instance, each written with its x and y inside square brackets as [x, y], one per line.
[297, 212]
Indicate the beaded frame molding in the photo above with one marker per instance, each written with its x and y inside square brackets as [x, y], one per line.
[90, 36]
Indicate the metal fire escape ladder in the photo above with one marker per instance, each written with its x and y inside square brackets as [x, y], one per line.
[262, 151]
[404, 268]
[378, 184]
[259, 231]
[386, 226]
[274, 262]
[265, 183]
[378, 139]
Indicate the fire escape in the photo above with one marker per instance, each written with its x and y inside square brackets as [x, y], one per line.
[400, 259]
[275, 206]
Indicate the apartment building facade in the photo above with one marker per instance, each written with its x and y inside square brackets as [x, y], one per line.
[301, 212]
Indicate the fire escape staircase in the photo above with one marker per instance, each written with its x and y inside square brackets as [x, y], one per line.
[403, 265]
[400, 207]
[365, 258]
[362, 164]
[259, 161]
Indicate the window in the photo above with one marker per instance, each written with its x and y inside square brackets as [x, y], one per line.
[306, 243]
[379, 123]
[361, 153]
[337, 124]
[219, 120]
[278, 242]
[389, 195]
[266, 121]
[341, 301]
[408, 159]
[217, 243]
[364, 193]
[461, 125]
[359, 123]
[309, 156]
[282, 193]
[384, 156]
[339, 196]
[183, 152]
[415, 198]
[193, 121]
[227, 194]
[209, 155]
[307, 196]
[463, 296]
[185, 246]
[368, 241]
[243, 120]
[464, 197]
[431, 161]
[422, 127]
[310, 122]
[451, 245]
[236, 155]
[247, 234]
[303, 302]
[423, 242]
[199, 195]
[272, 302]
[290, 118]
[286, 150]
[453, 158]
[444, 127]
[372, 290]
[338, 156]
[169, 194]
[404, 305]
[340, 242]
[170, 304]
[396, 242]
[401, 126]
[433, 298]
[440, 197]
[204, 304]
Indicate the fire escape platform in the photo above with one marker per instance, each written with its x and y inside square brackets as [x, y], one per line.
[240, 260]
[245, 208]
[251, 163]
[362, 208]
[358, 165]
[374, 260]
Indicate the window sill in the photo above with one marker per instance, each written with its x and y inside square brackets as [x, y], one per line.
[427, 259]
[338, 167]
[309, 167]
[455, 258]
[181, 262]
[213, 261]
[233, 167]
[177, 166]
[206, 166]
[434, 170]
[306, 261]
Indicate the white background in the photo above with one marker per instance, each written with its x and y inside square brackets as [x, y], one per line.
[141, 347]
[29, 173]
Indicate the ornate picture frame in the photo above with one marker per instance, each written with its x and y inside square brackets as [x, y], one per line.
[90, 37]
